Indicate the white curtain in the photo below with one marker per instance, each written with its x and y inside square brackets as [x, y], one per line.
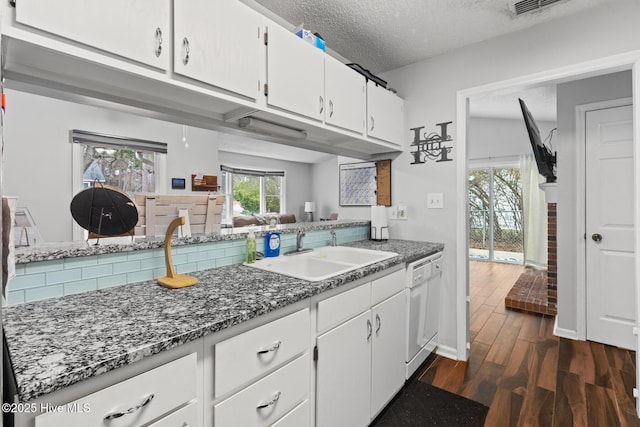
[534, 213]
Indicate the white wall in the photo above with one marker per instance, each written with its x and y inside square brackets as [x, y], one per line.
[495, 138]
[596, 89]
[430, 87]
[298, 178]
[37, 155]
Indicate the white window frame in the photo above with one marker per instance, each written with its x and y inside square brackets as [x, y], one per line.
[80, 138]
[228, 190]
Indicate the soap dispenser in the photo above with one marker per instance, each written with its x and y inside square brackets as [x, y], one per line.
[251, 247]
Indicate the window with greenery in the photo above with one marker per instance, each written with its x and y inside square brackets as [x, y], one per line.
[495, 214]
[125, 163]
[249, 192]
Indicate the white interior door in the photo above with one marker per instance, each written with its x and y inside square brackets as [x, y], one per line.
[609, 226]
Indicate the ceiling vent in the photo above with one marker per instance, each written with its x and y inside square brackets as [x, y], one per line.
[519, 7]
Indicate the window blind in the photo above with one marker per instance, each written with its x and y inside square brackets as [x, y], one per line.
[102, 140]
[252, 172]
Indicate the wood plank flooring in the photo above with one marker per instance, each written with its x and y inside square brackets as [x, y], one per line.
[526, 375]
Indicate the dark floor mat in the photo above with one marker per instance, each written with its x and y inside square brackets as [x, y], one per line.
[420, 404]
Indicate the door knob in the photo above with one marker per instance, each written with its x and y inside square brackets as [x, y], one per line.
[596, 237]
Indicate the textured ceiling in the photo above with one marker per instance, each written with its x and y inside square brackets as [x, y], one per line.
[541, 101]
[382, 35]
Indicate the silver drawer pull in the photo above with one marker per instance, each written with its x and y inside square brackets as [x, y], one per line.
[369, 329]
[274, 347]
[378, 324]
[131, 410]
[272, 402]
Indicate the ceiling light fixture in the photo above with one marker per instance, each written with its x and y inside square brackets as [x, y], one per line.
[431, 146]
[271, 129]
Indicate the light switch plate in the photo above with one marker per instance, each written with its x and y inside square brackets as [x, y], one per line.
[402, 211]
[435, 201]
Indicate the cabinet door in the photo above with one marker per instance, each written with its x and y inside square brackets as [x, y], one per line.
[138, 30]
[388, 348]
[344, 374]
[345, 96]
[385, 114]
[295, 74]
[218, 43]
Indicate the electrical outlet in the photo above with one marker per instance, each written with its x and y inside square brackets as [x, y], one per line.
[402, 211]
[435, 201]
[393, 212]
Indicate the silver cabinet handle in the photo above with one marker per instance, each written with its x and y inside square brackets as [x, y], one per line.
[373, 123]
[185, 51]
[330, 108]
[131, 410]
[274, 347]
[158, 41]
[272, 402]
[378, 324]
[369, 330]
[596, 237]
[321, 104]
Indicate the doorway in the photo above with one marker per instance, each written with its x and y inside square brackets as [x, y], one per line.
[495, 214]
[609, 223]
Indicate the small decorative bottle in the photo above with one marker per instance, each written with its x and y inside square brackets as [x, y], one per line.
[251, 247]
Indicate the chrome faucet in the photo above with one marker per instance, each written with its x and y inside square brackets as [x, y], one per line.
[334, 238]
[299, 243]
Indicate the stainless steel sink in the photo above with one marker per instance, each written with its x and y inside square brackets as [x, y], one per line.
[322, 263]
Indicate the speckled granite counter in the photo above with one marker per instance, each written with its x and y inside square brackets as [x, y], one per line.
[60, 250]
[57, 342]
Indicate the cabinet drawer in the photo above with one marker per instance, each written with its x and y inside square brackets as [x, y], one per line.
[299, 417]
[262, 403]
[384, 287]
[342, 307]
[184, 417]
[171, 385]
[242, 358]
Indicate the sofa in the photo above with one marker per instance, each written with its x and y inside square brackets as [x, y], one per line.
[265, 219]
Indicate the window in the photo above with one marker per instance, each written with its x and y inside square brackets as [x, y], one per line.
[495, 214]
[249, 192]
[125, 163]
[132, 165]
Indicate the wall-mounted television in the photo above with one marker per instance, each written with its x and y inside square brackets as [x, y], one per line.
[545, 159]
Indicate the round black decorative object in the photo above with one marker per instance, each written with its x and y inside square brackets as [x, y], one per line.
[104, 211]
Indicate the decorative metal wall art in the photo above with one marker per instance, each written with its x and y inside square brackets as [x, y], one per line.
[430, 147]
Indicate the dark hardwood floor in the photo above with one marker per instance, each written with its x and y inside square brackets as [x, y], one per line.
[526, 375]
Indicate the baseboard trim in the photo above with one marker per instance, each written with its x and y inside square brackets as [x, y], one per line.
[564, 333]
[446, 351]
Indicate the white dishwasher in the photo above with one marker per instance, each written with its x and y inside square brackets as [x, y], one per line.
[423, 314]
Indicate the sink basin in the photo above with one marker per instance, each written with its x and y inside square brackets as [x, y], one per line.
[322, 263]
[356, 256]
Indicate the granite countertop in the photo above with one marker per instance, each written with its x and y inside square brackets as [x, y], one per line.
[60, 250]
[60, 341]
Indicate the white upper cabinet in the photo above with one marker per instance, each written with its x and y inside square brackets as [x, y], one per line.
[139, 30]
[295, 74]
[344, 96]
[218, 42]
[385, 114]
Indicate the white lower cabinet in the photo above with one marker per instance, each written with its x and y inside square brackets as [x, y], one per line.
[360, 363]
[132, 402]
[183, 417]
[264, 402]
[344, 374]
[387, 352]
[298, 417]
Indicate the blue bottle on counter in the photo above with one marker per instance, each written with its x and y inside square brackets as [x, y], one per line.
[271, 245]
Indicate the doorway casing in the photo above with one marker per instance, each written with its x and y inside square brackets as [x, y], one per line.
[610, 64]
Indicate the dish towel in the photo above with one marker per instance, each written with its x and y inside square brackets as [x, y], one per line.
[9, 205]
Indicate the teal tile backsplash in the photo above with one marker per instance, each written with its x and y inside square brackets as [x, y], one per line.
[48, 279]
